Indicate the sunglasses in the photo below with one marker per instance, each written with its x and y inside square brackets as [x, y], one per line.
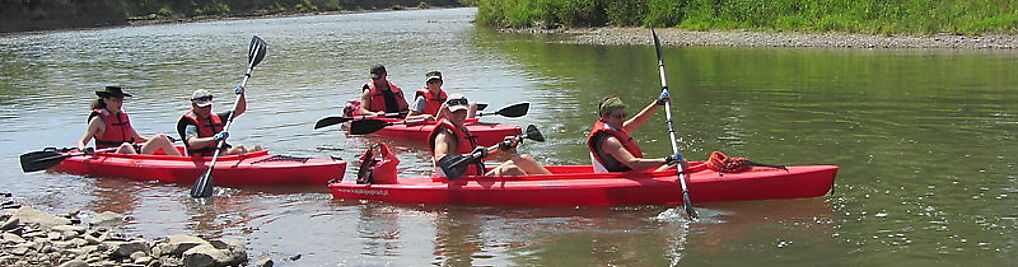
[118, 99]
[456, 102]
[619, 116]
[201, 99]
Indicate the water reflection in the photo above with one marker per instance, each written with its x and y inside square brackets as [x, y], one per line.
[925, 139]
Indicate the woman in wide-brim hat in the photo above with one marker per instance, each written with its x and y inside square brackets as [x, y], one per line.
[110, 126]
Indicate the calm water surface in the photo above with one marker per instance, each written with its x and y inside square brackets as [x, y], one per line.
[926, 140]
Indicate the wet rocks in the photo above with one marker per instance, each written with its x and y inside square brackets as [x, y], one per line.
[29, 237]
[107, 219]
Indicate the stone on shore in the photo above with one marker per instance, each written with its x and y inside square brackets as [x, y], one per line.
[74, 263]
[205, 256]
[30, 216]
[176, 245]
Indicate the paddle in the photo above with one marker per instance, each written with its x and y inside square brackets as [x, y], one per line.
[512, 111]
[203, 185]
[453, 165]
[690, 211]
[329, 121]
[45, 159]
[49, 157]
[367, 126]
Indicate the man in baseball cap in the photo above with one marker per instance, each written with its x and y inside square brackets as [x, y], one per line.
[452, 138]
[380, 96]
[202, 130]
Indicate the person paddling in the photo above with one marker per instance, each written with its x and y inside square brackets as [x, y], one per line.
[451, 136]
[380, 96]
[111, 127]
[201, 129]
[428, 101]
[611, 147]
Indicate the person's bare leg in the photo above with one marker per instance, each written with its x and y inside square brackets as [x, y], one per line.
[157, 142]
[529, 165]
[506, 169]
[126, 148]
[236, 150]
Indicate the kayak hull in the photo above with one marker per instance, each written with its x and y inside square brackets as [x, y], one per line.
[488, 134]
[252, 169]
[577, 186]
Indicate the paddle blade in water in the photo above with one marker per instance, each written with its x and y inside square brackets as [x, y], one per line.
[40, 160]
[329, 121]
[367, 126]
[203, 186]
[534, 134]
[256, 52]
[689, 206]
[513, 111]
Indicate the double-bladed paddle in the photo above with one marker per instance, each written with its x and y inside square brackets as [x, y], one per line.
[329, 121]
[690, 211]
[203, 185]
[45, 159]
[453, 165]
[367, 126]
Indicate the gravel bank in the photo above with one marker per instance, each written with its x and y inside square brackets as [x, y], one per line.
[29, 237]
[680, 37]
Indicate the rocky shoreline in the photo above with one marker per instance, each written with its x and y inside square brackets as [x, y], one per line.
[742, 38]
[29, 237]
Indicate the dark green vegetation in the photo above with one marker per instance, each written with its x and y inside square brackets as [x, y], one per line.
[27, 15]
[865, 16]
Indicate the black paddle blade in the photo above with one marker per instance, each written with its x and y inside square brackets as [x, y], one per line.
[513, 111]
[690, 211]
[256, 52]
[367, 126]
[534, 134]
[203, 186]
[657, 44]
[330, 121]
[454, 165]
[40, 160]
[481, 106]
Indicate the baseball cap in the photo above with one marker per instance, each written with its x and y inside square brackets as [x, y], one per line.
[432, 75]
[456, 102]
[201, 98]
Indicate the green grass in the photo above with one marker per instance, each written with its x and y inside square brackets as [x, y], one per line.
[863, 16]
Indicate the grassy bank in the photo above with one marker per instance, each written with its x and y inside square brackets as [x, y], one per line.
[19, 15]
[859, 16]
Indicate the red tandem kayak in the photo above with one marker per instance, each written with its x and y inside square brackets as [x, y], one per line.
[252, 169]
[488, 134]
[578, 186]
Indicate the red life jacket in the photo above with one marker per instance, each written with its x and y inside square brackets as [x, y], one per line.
[465, 143]
[433, 103]
[118, 128]
[206, 128]
[601, 131]
[378, 101]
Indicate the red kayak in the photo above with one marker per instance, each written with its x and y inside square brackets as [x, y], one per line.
[579, 186]
[252, 169]
[488, 134]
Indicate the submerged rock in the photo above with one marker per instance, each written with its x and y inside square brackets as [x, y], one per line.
[108, 218]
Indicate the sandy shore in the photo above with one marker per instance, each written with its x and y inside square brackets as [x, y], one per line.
[740, 38]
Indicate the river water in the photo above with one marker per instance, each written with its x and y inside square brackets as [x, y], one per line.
[926, 141]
